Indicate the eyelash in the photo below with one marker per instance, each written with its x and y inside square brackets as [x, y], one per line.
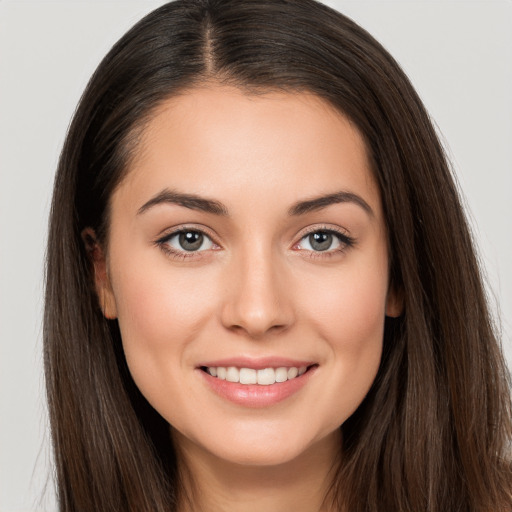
[346, 242]
[163, 243]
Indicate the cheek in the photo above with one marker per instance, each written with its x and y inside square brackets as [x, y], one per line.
[349, 315]
[155, 303]
[159, 314]
[351, 319]
[350, 307]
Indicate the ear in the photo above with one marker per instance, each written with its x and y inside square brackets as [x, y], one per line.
[98, 261]
[394, 302]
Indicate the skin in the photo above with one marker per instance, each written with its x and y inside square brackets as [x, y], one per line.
[259, 289]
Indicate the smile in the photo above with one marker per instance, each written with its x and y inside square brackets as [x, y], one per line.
[263, 377]
[263, 386]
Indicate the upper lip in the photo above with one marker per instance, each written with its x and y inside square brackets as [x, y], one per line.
[258, 363]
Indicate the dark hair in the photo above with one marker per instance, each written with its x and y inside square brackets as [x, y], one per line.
[434, 432]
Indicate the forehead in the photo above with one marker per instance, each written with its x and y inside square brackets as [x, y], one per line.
[222, 142]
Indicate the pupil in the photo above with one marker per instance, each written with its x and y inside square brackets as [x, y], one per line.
[191, 240]
[320, 241]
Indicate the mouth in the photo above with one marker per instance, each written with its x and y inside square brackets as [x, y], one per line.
[257, 381]
[261, 376]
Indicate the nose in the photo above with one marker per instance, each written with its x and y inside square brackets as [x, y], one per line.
[257, 295]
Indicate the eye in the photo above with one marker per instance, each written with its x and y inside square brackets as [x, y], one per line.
[187, 240]
[325, 240]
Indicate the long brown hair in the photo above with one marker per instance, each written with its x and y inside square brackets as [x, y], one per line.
[434, 432]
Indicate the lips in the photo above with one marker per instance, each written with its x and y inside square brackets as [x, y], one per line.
[257, 382]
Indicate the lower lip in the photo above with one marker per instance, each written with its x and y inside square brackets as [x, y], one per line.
[256, 395]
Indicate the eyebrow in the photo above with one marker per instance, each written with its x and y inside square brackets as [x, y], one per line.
[191, 201]
[320, 202]
[195, 202]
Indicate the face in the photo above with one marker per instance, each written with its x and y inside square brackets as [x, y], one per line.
[247, 243]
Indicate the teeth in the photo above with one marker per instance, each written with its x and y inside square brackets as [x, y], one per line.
[248, 376]
[281, 375]
[264, 377]
[232, 374]
[292, 372]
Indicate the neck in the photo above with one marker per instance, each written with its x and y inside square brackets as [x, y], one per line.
[301, 485]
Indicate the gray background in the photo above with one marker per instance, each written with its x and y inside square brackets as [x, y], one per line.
[457, 53]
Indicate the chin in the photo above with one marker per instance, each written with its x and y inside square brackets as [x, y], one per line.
[266, 446]
[260, 456]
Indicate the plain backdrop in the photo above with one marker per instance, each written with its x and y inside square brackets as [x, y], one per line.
[458, 54]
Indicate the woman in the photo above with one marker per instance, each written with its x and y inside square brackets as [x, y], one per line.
[261, 288]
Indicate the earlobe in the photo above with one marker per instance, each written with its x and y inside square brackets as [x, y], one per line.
[394, 302]
[102, 283]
